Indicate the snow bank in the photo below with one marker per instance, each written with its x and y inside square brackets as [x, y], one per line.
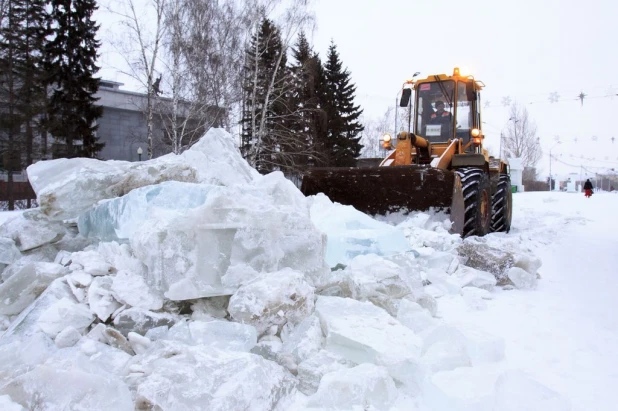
[196, 283]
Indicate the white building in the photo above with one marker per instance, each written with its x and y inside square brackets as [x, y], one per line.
[517, 172]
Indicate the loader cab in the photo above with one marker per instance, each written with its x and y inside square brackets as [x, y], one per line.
[461, 112]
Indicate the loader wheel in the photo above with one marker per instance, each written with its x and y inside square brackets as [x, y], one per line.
[477, 201]
[502, 205]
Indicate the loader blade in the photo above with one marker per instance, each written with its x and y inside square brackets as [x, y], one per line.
[382, 190]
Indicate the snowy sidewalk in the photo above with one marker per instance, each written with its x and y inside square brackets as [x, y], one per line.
[564, 334]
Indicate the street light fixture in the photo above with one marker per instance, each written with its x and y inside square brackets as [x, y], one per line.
[139, 153]
[550, 179]
[502, 133]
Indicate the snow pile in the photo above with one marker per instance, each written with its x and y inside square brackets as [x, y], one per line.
[195, 283]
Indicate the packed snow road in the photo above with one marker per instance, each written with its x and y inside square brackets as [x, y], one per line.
[564, 333]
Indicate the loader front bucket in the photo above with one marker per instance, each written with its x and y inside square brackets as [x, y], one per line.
[382, 190]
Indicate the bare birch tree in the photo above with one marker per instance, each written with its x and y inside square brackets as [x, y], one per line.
[202, 61]
[140, 44]
[4, 8]
[520, 139]
[374, 132]
[274, 147]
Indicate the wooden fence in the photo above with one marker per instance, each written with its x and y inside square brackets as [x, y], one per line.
[22, 190]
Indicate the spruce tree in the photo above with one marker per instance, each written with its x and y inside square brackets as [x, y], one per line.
[22, 86]
[320, 117]
[22, 43]
[308, 119]
[344, 130]
[72, 55]
[265, 102]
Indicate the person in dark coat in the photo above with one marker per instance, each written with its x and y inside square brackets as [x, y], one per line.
[443, 118]
[588, 188]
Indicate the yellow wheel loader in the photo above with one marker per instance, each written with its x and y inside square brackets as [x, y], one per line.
[440, 164]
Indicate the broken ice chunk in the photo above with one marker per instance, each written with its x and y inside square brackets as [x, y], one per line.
[6, 404]
[259, 301]
[91, 262]
[522, 279]
[72, 389]
[311, 371]
[140, 320]
[305, 340]
[100, 298]
[467, 276]
[131, 289]
[119, 218]
[23, 287]
[228, 380]
[351, 233]
[224, 335]
[67, 337]
[62, 314]
[8, 251]
[516, 391]
[364, 386]
[362, 332]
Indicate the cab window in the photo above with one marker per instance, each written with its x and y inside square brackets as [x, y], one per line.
[464, 112]
[434, 114]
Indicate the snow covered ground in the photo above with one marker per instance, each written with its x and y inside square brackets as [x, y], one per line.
[565, 332]
[194, 283]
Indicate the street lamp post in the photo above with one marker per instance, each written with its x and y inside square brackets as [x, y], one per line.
[550, 179]
[502, 133]
[139, 153]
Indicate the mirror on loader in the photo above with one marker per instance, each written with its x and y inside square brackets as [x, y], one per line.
[405, 97]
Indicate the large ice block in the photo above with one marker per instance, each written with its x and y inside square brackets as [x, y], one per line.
[180, 377]
[119, 218]
[265, 226]
[366, 386]
[364, 333]
[67, 187]
[273, 299]
[351, 233]
[53, 388]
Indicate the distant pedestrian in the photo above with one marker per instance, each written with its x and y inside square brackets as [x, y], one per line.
[588, 188]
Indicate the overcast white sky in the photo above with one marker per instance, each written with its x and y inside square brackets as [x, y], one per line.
[524, 50]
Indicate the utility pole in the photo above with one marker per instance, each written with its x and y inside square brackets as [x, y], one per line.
[550, 178]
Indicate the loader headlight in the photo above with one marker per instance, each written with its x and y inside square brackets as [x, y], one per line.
[475, 132]
[386, 141]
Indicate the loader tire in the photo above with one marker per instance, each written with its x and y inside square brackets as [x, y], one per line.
[477, 201]
[502, 205]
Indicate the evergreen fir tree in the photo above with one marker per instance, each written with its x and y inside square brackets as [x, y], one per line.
[22, 43]
[320, 117]
[265, 102]
[72, 66]
[342, 115]
[308, 120]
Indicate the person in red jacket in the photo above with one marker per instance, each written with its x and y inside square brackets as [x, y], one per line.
[588, 188]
